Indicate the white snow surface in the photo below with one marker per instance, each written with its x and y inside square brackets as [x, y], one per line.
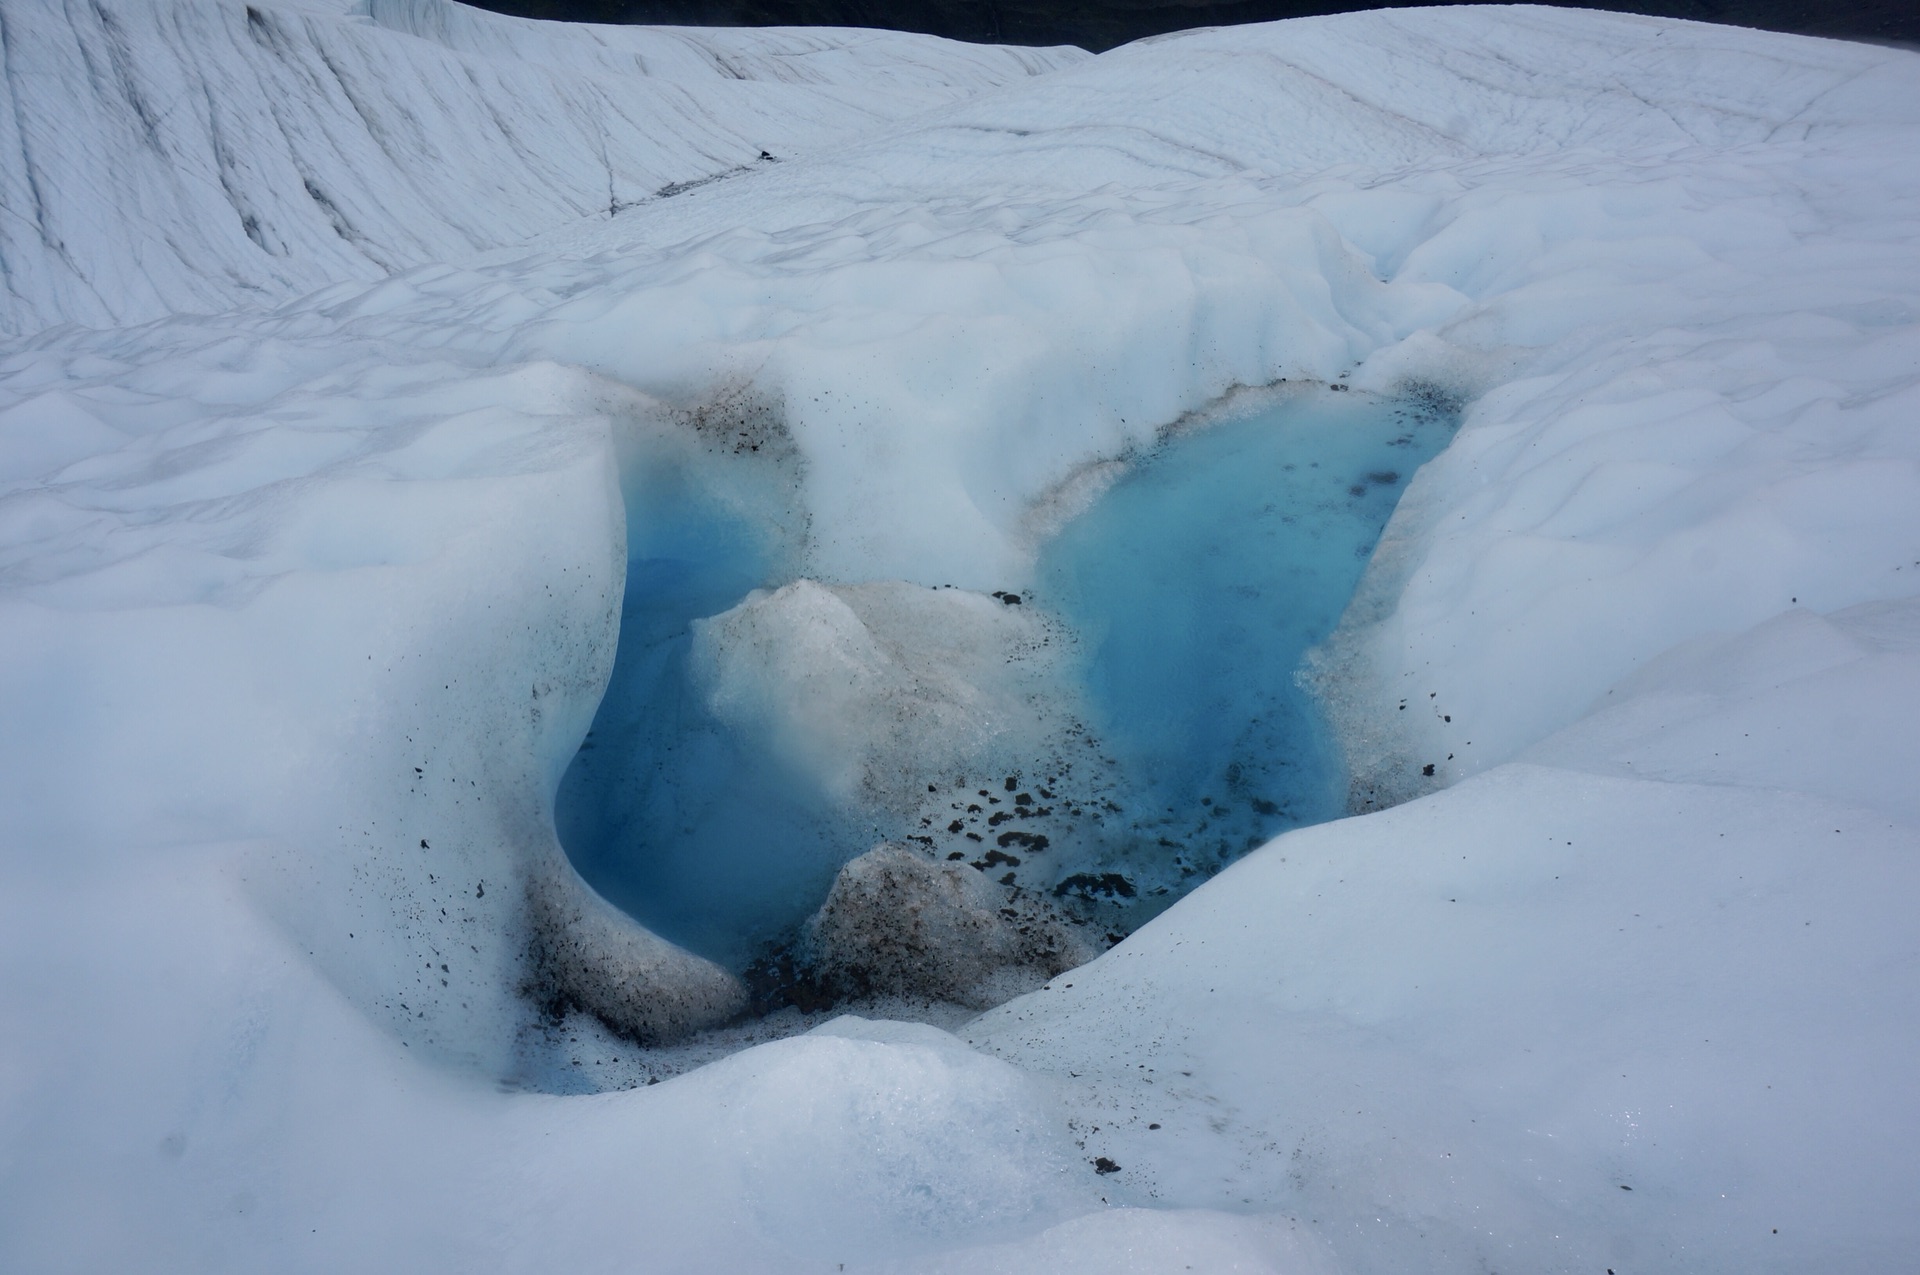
[178, 155]
[307, 598]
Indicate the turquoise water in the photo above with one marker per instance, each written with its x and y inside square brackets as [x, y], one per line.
[1197, 583]
[1193, 586]
[693, 830]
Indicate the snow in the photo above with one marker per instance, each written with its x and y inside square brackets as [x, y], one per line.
[182, 155]
[1488, 1013]
[313, 556]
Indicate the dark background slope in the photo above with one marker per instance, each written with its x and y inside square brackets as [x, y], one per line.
[1102, 24]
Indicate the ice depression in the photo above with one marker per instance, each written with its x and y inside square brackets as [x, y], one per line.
[1133, 713]
[307, 609]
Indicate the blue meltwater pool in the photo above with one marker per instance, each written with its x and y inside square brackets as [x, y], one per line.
[1197, 583]
[1184, 597]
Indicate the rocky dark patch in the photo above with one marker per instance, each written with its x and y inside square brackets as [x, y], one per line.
[1088, 885]
[899, 924]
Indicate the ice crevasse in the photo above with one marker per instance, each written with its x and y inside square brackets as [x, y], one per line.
[308, 598]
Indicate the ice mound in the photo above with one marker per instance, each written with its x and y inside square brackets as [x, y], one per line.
[898, 924]
[870, 690]
[740, 759]
[901, 1138]
[588, 956]
[1810, 703]
[1145, 1241]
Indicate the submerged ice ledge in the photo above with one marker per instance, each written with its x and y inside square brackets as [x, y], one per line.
[1042, 770]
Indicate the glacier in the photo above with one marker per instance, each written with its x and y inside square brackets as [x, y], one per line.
[1135, 715]
[358, 354]
[172, 158]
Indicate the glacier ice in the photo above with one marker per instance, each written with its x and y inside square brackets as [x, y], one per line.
[898, 923]
[310, 585]
[178, 155]
[1129, 726]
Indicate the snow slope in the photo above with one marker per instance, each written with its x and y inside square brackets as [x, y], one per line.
[176, 155]
[305, 611]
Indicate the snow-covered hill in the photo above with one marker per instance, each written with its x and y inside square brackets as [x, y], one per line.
[167, 156]
[305, 610]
